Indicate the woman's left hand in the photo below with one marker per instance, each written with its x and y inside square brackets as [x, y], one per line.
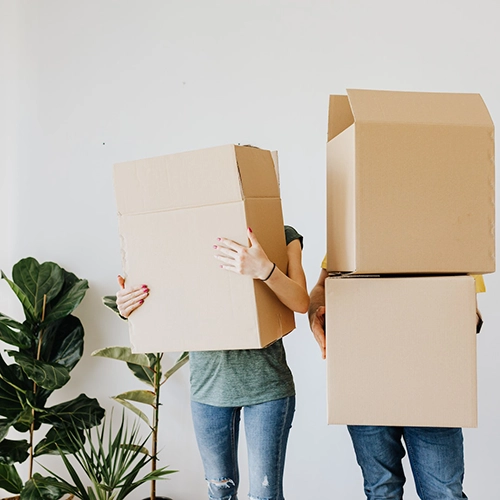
[250, 261]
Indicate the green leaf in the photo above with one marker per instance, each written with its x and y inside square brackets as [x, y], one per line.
[29, 311]
[50, 376]
[37, 280]
[133, 409]
[58, 439]
[146, 397]
[10, 404]
[13, 451]
[5, 425]
[181, 361]
[63, 342]
[110, 302]
[69, 300]
[24, 420]
[82, 412]
[123, 354]
[41, 488]
[15, 333]
[9, 479]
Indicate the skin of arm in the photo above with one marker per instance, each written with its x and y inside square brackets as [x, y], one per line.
[317, 312]
[252, 261]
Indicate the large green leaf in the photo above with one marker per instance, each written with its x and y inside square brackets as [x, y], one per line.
[123, 354]
[82, 412]
[133, 409]
[37, 280]
[41, 488]
[5, 425]
[24, 420]
[110, 301]
[50, 376]
[13, 451]
[63, 342]
[58, 439]
[181, 361]
[9, 479]
[10, 402]
[142, 396]
[14, 333]
[67, 301]
[29, 310]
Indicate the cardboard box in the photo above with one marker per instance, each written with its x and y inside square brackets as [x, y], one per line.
[410, 184]
[171, 210]
[401, 351]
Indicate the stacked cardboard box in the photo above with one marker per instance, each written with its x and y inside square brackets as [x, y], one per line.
[171, 211]
[410, 214]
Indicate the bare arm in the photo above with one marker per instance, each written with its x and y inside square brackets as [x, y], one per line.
[317, 312]
[252, 261]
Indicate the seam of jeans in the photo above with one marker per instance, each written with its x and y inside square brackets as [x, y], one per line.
[234, 449]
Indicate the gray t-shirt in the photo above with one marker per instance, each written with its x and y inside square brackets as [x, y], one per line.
[242, 377]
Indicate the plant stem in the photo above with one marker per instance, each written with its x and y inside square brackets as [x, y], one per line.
[32, 426]
[156, 415]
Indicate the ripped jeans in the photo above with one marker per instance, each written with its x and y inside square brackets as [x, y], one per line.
[267, 426]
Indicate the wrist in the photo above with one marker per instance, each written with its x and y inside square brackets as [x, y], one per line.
[269, 272]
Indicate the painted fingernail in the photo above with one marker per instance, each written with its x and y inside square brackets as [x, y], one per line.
[215, 246]
[144, 286]
[146, 290]
[219, 239]
[250, 229]
[141, 301]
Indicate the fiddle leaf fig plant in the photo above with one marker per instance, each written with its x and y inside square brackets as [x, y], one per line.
[46, 346]
[148, 369]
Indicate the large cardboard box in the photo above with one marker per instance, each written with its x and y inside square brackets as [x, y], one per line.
[171, 211]
[401, 351]
[410, 184]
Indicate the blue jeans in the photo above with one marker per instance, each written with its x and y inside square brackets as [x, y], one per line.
[267, 426]
[435, 453]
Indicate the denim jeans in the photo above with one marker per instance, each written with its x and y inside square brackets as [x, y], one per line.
[435, 453]
[267, 426]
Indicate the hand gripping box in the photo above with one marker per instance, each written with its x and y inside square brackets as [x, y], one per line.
[410, 184]
[171, 211]
[401, 351]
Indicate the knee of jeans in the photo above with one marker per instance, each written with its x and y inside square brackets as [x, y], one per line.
[221, 489]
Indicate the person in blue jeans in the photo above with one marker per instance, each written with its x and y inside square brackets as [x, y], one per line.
[257, 382]
[436, 454]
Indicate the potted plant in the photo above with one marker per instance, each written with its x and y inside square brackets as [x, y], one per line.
[112, 461]
[148, 369]
[46, 347]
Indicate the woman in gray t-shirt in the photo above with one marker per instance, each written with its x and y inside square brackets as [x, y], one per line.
[257, 380]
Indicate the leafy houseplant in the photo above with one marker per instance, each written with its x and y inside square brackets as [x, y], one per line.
[112, 462]
[148, 369]
[49, 343]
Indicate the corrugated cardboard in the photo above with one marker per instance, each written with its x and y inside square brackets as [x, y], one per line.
[410, 184]
[401, 351]
[171, 210]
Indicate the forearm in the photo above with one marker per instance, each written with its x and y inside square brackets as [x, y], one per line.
[292, 293]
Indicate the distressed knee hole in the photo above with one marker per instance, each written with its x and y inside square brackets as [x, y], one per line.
[221, 483]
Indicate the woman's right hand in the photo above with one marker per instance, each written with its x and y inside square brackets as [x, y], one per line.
[129, 299]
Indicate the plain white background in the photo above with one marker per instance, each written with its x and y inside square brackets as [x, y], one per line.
[85, 84]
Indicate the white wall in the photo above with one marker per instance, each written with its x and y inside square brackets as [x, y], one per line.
[85, 84]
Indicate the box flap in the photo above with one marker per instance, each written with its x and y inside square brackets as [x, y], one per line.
[257, 172]
[195, 178]
[339, 115]
[419, 108]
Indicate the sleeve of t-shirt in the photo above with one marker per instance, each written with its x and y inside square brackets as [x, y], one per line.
[292, 234]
